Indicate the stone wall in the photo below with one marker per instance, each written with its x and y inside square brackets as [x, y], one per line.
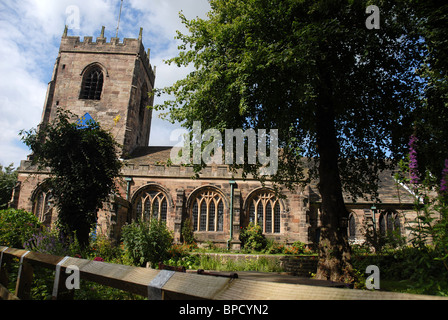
[177, 183]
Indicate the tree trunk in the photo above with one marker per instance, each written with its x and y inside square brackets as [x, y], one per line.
[334, 250]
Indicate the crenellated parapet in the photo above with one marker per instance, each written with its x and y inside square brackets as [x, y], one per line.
[128, 46]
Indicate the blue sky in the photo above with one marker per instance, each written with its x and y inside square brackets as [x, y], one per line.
[30, 34]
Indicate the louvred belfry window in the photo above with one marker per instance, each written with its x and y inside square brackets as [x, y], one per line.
[92, 84]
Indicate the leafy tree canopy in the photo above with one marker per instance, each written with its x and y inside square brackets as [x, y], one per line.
[431, 119]
[8, 178]
[340, 94]
[272, 64]
[84, 164]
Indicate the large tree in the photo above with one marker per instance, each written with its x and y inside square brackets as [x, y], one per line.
[84, 164]
[340, 94]
[8, 178]
[431, 118]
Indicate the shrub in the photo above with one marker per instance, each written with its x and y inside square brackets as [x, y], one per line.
[179, 256]
[103, 247]
[16, 227]
[187, 232]
[146, 242]
[275, 248]
[252, 238]
[298, 247]
[50, 242]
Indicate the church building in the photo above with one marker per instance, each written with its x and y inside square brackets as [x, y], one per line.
[109, 82]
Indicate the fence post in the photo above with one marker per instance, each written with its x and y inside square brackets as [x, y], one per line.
[4, 261]
[60, 291]
[24, 279]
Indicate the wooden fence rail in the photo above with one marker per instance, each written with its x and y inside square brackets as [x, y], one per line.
[167, 284]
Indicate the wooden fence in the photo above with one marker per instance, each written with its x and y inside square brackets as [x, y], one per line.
[167, 284]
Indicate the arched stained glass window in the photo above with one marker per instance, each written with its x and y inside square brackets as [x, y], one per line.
[352, 227]
[268, 214]
[151, 204]
[277, 218]
[92, 84]
[389, 222]
[43, 203]
[207, 211]
[263, 208]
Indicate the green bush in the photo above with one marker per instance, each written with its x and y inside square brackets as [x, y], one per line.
[104, 248]
[180, 256]
[273, 247]
[17, 227]
[187, 232]
[146, 242]
[48, 241]
[252, 238]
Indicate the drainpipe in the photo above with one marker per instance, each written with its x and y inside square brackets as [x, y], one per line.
[373, 208]
[232, 185]
[128, 186]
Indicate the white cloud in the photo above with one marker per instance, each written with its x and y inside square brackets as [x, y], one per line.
[30, 32]
[50, 15]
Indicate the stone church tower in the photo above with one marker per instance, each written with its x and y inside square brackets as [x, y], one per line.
[106, 80]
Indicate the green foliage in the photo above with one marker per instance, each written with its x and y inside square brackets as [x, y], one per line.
[8, 178]
[429, 232]
[273, 247]
[187, 232]
[48, 241]
[252, 238]
[17, 227]
[180, 256]
[417, 268]
[295, 248]
[247, 76]
[335, 91]
[422, 267]
[218, 263]
[431, 117]
[84, 164]
[386, 242]
[105, 248]
[146, 242]
[299, 247]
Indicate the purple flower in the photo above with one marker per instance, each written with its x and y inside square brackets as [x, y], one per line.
[413, 165]
[444, 180]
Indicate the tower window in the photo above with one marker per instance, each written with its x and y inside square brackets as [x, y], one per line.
[92, 84]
